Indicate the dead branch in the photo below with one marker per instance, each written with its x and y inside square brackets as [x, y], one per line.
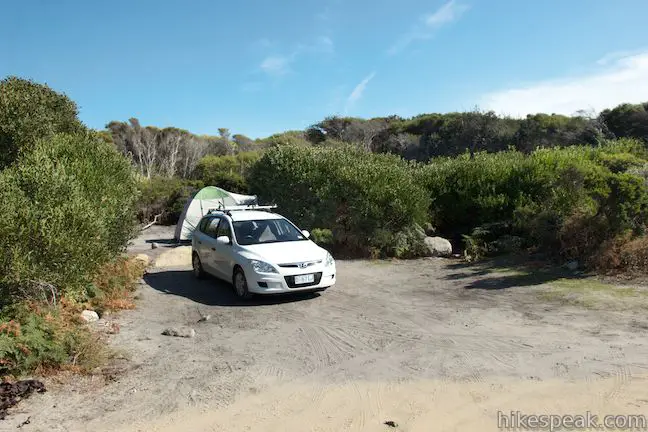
[155, 220]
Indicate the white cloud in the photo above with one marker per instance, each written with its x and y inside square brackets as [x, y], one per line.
[280, 64]
[446, 14]
[357, 92]
[276, 65]
[625, 80]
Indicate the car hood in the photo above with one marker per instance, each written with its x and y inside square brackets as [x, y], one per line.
[286, 252]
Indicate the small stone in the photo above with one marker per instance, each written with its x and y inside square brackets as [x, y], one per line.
[391, 423]
[154, 245]
[89, 316]
[179, 332]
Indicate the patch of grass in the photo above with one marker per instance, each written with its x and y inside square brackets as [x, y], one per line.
[594, 294]
[510, 271]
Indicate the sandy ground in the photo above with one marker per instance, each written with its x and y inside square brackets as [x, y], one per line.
[430, 344]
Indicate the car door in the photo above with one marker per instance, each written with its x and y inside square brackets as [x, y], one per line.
[198, 237]
[222, 253]
[207, 244]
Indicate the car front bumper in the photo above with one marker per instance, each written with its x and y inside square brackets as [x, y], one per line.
[273, 283]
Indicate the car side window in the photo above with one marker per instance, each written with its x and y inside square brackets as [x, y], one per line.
[224, 230]
[203, 224]
[211, 227]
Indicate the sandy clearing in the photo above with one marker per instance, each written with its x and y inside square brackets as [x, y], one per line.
[414, 406]
[431, 344]
[176, 257]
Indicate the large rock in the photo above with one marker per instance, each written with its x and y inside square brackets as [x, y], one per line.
[89, 316]
[439, 246]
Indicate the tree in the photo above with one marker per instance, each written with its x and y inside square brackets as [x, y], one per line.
[555, 130]
[332, 127]
[31, 111]
[628, 121]
[166, 152]
[286, 138]
[139, 143]
[170, 142]
[194, 149]
[243, 143]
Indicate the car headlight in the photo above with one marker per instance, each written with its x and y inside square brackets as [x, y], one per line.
[263, 267]
[329, 260]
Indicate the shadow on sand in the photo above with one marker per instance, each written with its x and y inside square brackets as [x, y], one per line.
[509, 272]
[213, 292]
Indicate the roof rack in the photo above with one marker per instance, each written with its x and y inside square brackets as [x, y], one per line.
[228, 209]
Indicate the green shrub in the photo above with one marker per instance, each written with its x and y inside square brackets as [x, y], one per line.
[466, 193]
[226, 172]
[582, 203]
[42, 338]
[565, 201]
[29, 344]
[322, 236]
[166, 197]
[29, 112]
[361, 196]
[66, 207]
[490, 239]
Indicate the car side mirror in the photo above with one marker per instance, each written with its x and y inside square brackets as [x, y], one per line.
[306, 233]
[224, 240]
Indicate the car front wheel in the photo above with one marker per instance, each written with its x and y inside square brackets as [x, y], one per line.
[198, 271]
[240, 285]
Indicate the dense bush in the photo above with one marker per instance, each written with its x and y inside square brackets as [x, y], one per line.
[30, 111]
[227, 172]
[565, 201]
[66, 207]
[370, 202]
[466, 193]
[166, 197]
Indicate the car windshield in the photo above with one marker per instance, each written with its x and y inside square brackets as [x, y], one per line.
[266, 231]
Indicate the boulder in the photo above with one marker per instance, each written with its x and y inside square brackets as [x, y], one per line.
[89, 316]
[438, 246]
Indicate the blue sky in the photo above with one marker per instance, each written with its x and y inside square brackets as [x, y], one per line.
[261, 67]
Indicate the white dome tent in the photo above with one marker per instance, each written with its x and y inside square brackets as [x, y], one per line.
[210, 197]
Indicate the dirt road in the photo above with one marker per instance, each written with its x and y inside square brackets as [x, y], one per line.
[431, 344]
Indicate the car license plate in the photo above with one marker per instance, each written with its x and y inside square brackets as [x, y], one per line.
[304, 279]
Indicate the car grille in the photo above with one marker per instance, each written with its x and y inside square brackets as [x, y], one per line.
[290, 280]
[298, 265]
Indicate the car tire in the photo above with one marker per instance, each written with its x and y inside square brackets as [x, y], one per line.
[198, 271]
[240, 285]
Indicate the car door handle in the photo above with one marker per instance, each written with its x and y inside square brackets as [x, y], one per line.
[213, 249]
